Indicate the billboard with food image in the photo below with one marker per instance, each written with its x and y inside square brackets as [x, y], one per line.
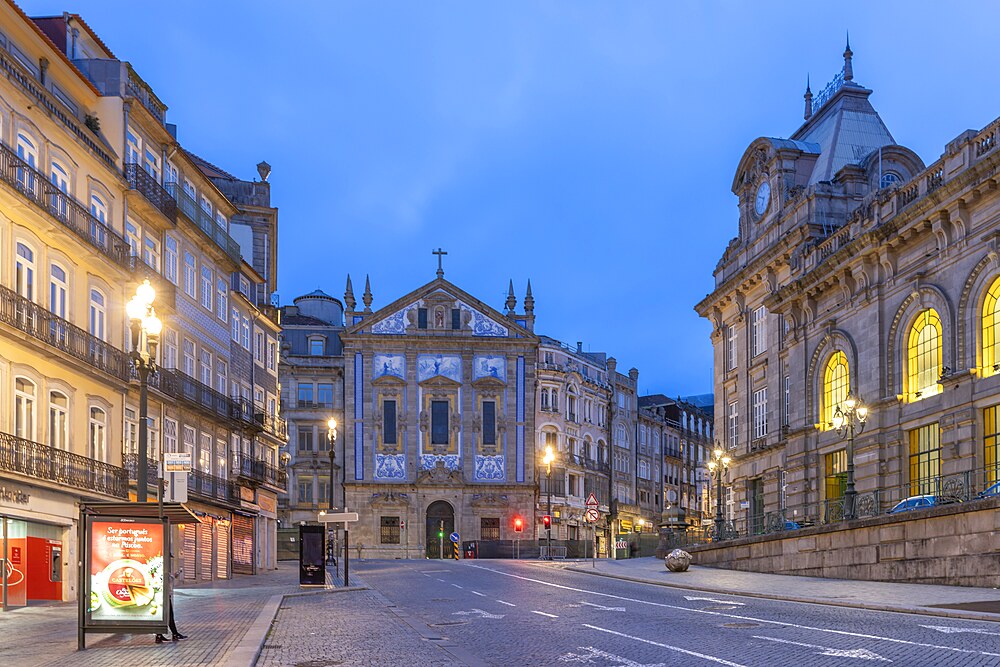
[126, 571]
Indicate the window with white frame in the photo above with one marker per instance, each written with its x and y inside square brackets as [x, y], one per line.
[758, 324]
[206, 367]
[221, 375]
[205, 454]
[98, 434]
[730, 347]
[189, 358]
[170, 435]
[245, 333]
[131, 147]
[190, 276]
[169, 176]
[24, 272]
[98, 314]
[24, 409]
[189, 440]
[258, 346]
[60, 181]
[207, 280]
[786, 403]
[58, 420]
[133, 236]
[170, 255]
[234, 322]
[760, 413]
[151, 252]
[222, 299]
[98, 226]
[131, 435]
[151, 164]
[169, 359]
[220, 220]
[271, 356]
[733, 418]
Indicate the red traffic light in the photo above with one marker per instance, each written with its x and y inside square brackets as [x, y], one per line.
[518, 524]
[547, 521]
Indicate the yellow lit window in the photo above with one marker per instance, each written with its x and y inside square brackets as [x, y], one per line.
[836, 385]
[835, 481]
[991, 437]
[923, 365]
[991, 327]
[925, 459]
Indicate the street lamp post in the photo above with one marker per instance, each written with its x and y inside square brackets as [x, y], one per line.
[145, 327]
[849, 420]
[719, 463]
[547, 460]
[331, 435]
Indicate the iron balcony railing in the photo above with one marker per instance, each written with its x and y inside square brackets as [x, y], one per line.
[259, 470]
[130, 462]
[204, 221]
[140, 90]
[140, 180]
[254, 416]
[178, 385]
[212, 487]
[29, 84]
[34, 185]
[48, 463]
[30, 318]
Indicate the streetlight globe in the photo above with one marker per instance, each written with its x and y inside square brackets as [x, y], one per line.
[862, 413]
[145, 292]
[135, 308]
[726, 461]
[153, 325]
[838, 419]
[549, 456]
[850, 402]
[717, 453]
[711, 465]
[331, 423]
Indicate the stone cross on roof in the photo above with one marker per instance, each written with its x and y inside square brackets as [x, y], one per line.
[440, 254]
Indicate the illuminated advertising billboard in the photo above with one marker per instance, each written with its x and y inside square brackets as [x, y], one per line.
[127, 572]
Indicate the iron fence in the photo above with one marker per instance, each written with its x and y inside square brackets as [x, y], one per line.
[56, 465]
[140, 180]
[30, 318]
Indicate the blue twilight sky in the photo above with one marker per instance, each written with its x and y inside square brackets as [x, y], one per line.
[587, 146]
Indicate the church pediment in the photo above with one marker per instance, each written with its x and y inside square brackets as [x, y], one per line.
[440, 382]
[388, 381]
[488, 383]
[490, 500]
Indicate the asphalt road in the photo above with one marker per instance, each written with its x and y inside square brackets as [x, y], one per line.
[508, 613]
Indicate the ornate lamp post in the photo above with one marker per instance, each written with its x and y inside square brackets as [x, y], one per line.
[849, 420]
[547, 460]
[717, 465]
[145, 327]
[331, 434]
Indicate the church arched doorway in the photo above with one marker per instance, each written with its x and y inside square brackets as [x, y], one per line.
[440, 519]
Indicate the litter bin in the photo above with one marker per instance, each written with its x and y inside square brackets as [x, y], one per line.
[471, 550]
[621, 550]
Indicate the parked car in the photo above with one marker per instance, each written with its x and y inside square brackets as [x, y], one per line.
[990, 491]
[915, 503]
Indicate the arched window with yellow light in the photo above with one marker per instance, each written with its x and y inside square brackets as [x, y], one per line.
[836, 385]
[991, 330]
[923, 356]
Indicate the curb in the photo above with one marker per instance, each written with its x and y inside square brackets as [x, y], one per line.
[246, 652]
[922, 611]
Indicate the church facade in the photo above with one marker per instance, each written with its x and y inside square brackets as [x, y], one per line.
[438, 423]
[857, 271]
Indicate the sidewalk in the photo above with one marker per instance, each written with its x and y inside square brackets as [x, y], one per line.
[226, 621]
[965, 602]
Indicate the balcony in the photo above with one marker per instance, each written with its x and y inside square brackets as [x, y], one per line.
[41, 324]
[255, 417]
[140, 181]
[204, 221]
[176, 384]
[35, 186]
[39, 461]
[54, 108]
[212, 487]
[140, 90]
[259, 471]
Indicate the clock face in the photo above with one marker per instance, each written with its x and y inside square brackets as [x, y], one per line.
[763, 198]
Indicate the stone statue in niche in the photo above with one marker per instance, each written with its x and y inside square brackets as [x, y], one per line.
[477, 423]
[425, 421]
[439, 317]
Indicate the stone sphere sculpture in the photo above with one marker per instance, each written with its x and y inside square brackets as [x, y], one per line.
[678, 560]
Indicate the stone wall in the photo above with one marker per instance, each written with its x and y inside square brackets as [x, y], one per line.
[955, 544]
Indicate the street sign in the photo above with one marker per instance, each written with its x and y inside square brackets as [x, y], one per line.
[337, 517]
[592, 515]
[175, 487]
[592, 501]
[177, 461]
[454, 538]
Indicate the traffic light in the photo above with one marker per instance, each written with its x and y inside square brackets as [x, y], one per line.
[440, 533]
[518, 524]
[547, 522]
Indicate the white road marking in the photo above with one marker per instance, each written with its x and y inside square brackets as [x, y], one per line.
[432, 571]
[695, 597]
[591, 652]
[737, 616]
[602, 607]
[666, 646]
[542, 613]
[441, 580]
[861, 653]
[456, 586]
[948, 630]
[477, 612]
[477, 593]
[509, 604]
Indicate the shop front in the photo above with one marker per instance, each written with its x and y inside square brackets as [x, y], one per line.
[37, 544]
[204, 552]
[267, 530]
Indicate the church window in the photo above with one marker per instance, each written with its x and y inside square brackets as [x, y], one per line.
[389, 422]
[456, 319]
[924, 355]
[836, 386]
[389, 530]
[439, 422]
[489, 422]
[925, 459]
[421, 318]
[489, 528]
[991, 327]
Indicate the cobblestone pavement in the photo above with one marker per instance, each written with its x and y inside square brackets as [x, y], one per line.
[215, 617]
[347, 628]
[523, 613]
